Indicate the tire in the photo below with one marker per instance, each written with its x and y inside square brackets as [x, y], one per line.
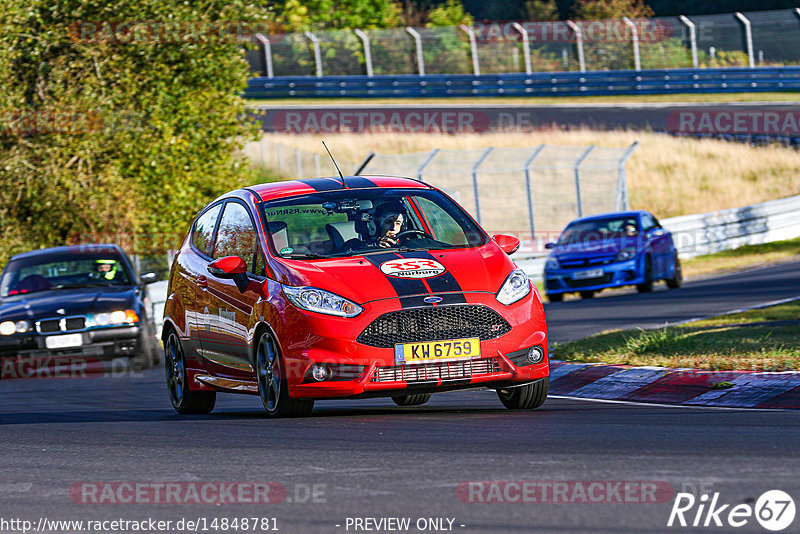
[527, 397]
[647, 286]
[272, 383]
[411, 400]
[587, 294]
[677, 280]
[184, 400]
[555, 298]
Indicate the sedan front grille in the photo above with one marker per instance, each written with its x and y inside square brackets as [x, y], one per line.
[434, 324]
[586, 282]
[436, 371]
[61, 324]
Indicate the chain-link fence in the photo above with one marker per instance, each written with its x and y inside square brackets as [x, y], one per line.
[733, 39]
[530, 192]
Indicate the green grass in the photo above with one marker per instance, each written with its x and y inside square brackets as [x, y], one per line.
[716, 344]
[741, 257]
[787, 96]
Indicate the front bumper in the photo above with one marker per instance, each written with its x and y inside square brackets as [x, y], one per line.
[105, 343]
[332, 340]
[619, 274]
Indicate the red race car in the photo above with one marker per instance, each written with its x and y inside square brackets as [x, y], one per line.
[348, 288]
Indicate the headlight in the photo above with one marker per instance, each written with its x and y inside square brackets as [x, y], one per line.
[516, 286]
[625, 254]
[114, 318]
[22, 327]
[551, 264]
[321, 301]
[7, 328]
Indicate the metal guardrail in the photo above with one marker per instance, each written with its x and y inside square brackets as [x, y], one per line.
[619, 82]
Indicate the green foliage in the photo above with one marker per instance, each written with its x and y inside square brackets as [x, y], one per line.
[611, 9]
[303, 15]
[451, 13]
[156, 127]
[540, 10]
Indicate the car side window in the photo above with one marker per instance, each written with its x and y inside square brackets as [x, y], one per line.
[236, 235]
[203, 231]
[648, 222]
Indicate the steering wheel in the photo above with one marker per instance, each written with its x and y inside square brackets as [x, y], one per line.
[405, 233]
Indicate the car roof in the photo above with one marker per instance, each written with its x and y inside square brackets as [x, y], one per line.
[289, 188]
[89, 248]
[629, 213]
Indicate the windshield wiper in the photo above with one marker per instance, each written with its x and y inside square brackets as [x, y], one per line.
[83, 284]
[302, 255]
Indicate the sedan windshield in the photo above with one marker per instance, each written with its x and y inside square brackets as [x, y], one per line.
[584, 231]
[62, 271]
[357, 222]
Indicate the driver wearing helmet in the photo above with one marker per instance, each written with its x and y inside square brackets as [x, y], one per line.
[389, 219]
[106, 269]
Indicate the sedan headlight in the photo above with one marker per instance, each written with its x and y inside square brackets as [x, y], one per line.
[8, 328]
[114, 318]
[551, 264]
[516, 286]
[321, 301]
[625, 254]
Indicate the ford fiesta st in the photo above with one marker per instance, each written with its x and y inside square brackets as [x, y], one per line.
[352, 288]
[611, 250]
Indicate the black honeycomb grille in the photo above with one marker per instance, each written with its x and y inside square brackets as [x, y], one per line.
[434, 324]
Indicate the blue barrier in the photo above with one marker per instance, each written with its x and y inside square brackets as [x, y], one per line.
[619, 82]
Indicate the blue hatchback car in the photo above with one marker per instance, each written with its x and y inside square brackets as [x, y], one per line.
[611, 250]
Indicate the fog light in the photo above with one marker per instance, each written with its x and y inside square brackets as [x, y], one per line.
[320, 372]
[536, 354]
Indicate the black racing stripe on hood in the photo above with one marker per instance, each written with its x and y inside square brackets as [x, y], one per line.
[443, 283]
[404, 287]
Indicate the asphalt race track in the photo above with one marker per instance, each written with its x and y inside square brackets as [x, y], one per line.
[372, 459]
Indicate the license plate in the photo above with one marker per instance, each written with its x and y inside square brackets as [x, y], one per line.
[583, 275]
[429, 351]
[63, 342]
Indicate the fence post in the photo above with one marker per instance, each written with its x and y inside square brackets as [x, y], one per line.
[623, 202]
[637, 62]
[526, 49]
[316, 165]
[267, 53]
[473, 48]
[426, 162]
[577, 169]
[367, 51]
[418, 42]
[529, 189]
[317, 53]
[692, 38]
[748, 36]
[475, 182]
[299, 162]
[579, 41]
[280, 157]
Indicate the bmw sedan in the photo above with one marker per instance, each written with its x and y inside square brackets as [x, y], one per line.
[76, 302]
[611, 250]
[357, 287]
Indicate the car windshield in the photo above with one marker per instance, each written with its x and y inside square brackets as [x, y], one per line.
[63, 271]
[357, 222]
[584, 231]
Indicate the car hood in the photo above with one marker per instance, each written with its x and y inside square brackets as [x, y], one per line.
[360, 278]
[599, 247]
[79, 301]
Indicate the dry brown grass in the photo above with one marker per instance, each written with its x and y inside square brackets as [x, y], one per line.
[667, 175]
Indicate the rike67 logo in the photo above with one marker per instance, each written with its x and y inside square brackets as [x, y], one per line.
[774, 510]
[412, 268]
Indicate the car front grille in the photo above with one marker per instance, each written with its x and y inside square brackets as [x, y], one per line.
[605, 279]
[577, 263]
[436, 371]
[61, 324]
[434, 324]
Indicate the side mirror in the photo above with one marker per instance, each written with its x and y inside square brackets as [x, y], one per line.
[227, 267]
[508, 243]
[548, 246]
[148, 278]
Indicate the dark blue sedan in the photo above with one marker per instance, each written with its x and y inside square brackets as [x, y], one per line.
[611, 250]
